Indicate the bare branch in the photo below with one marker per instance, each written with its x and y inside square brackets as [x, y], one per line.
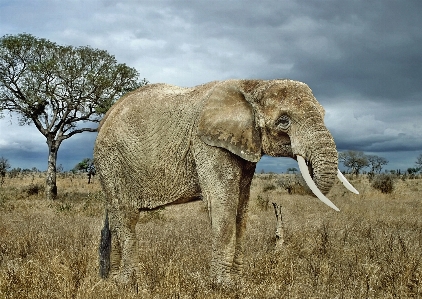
[70, 134]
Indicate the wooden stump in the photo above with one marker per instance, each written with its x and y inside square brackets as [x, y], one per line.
[279, 232]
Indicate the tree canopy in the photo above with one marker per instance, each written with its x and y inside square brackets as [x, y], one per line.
[59, 87]
[62, 90]
[354, 160]
[4, 166]
[86, 165]
[292, 169]
[357, 160]
[419, 162]
[376, 163]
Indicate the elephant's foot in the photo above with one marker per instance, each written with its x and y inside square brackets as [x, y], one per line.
[237, 268]
[221, 274]
[126, 279]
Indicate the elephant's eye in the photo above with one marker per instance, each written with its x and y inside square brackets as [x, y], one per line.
[283, 122]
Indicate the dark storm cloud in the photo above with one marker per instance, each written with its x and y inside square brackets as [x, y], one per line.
[360, 55]
[359, 47]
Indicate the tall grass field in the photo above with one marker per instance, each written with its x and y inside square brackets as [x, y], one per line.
[372, 248]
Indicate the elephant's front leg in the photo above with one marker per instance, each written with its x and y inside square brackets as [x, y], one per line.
[223, 224]
[220, 174]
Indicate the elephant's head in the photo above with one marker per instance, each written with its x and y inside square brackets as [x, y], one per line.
[280, 118]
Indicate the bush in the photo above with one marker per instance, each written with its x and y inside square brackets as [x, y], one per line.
[269, 187]
[34, 189]
[294, 184]
[384, 182]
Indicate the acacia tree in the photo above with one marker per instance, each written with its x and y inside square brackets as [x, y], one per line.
[354, 160]
[376, 163]
[4, 166]
[86, 165]
[292, 169]
[62, 90]
[419, 162]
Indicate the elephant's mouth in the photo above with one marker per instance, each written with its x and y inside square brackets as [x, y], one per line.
[308, 173]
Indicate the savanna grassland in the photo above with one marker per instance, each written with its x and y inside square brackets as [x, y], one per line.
[371, 249]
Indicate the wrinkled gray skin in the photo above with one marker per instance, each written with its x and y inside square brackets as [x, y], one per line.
[163, 144]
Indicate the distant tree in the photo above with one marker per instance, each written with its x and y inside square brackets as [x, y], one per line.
[293, 170]
[412, 170]
[83, 165]
[86, 165]
[354, 160]
[4, 166]
[419, 162]
[62, 90]
[376, 163]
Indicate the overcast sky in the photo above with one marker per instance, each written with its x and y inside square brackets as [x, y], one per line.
[362, 59]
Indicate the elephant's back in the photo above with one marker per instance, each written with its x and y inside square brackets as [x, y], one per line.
[153, 108]
[146, 97]
[144, 119]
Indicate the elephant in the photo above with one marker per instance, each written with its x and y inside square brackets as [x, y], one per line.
[163, 144]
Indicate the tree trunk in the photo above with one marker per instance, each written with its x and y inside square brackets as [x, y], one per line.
[51, 187]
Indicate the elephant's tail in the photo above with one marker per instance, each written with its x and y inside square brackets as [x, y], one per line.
[105, 248]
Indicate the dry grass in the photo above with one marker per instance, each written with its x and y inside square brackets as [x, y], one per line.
[371, 249]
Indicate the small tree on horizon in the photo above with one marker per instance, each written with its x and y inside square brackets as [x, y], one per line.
[354, 160]
[4, 166]
[412, 170]
[419, 162]
[86, 165]
[62, 90]
[376, 163]
[292, 169]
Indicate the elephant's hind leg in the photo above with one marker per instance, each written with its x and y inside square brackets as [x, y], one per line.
[124, 259]
[115, 255]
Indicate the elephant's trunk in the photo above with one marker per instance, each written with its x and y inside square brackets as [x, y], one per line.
[323, 164]
[317, 157]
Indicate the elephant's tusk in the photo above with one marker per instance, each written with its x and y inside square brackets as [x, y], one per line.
[311, 184]
[346, 183]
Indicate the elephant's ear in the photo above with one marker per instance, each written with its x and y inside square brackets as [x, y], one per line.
[227, 120]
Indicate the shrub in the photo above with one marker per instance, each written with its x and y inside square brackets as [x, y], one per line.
[269, 187]
[34, 189]
[384, 182]
[294, 184]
